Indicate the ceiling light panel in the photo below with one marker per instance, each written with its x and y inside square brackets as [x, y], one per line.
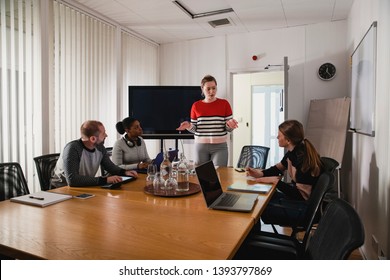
[202, 6]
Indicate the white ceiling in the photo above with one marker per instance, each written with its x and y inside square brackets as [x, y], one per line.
[162, 21]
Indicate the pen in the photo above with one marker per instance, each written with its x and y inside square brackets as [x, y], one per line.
[36, 197]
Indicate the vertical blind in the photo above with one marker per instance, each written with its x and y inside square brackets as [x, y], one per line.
[20, 89]
[139, 60]
[139, 67]
[88, 64]
[84, 73]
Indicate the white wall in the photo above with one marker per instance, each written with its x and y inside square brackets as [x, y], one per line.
[370, 186]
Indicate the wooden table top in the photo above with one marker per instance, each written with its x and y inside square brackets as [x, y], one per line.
[126, 224]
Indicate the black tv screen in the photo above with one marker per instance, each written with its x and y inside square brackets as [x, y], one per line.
[161, 109]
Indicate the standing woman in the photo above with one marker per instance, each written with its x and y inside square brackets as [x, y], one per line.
[304, 166]
[129, 152]
[211, 120]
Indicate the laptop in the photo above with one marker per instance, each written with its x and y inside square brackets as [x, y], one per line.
[216, 198]
[125, 179]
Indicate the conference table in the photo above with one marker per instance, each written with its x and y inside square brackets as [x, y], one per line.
[127, 223]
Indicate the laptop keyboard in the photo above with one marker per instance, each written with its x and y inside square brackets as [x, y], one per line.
[229, 199]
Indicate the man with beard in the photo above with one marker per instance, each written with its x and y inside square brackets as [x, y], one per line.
[82, 158]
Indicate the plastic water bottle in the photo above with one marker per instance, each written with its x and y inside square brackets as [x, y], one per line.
[183, 184]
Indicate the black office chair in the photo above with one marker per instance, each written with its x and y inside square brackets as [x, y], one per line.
[102, 170]
[273, 244]
[12, 181]
[253, 156]
[339, 232]
[45, 168]
[12, 184]
[109, 151]
[305, 210]
[330, 165]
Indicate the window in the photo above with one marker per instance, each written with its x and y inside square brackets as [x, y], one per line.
[20, 86]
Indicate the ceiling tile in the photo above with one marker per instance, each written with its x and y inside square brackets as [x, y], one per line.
[162, 21]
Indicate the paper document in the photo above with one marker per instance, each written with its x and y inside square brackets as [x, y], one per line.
[256, 188]
[41, 198]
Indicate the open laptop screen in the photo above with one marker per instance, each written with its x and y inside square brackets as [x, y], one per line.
[209, 182]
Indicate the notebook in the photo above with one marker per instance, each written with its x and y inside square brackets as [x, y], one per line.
[41, 199]
[255, 188]
[125, 179]
[216, 198]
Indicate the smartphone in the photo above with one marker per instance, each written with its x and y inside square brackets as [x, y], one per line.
[239, 169]
[84, 195]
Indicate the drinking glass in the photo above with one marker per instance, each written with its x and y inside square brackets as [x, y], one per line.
[151, 171]
[158, 182]
[170, 183]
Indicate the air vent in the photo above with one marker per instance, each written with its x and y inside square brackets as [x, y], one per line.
[220, 22]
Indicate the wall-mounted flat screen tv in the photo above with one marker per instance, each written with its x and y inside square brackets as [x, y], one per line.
[161, 109]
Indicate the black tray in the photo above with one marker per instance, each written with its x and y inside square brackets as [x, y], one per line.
[194, 188]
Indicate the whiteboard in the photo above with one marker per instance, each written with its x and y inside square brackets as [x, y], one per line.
[362, 118]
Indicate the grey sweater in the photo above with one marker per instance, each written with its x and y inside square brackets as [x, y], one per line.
[77, 166]
[128, 157]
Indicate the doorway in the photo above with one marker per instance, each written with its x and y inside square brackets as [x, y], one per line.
[259, 107]
[267, 114]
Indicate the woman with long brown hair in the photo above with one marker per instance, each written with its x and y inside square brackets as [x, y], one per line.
[303, 164]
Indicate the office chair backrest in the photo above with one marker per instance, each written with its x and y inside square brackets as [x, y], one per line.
[329, 164]
[109, 153]
[45, 168]
[12, 181]
[339, 232]
[323, 185]
[308, 210]
[253, 156]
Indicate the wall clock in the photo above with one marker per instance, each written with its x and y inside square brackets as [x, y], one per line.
[327, 71]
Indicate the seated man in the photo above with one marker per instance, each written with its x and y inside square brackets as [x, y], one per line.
[81, 159]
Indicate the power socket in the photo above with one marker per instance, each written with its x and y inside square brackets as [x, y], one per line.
[374, 244]
[381, 255]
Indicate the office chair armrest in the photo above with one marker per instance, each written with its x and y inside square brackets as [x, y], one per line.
[296, 207]
[265, 250]
[292, 205]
